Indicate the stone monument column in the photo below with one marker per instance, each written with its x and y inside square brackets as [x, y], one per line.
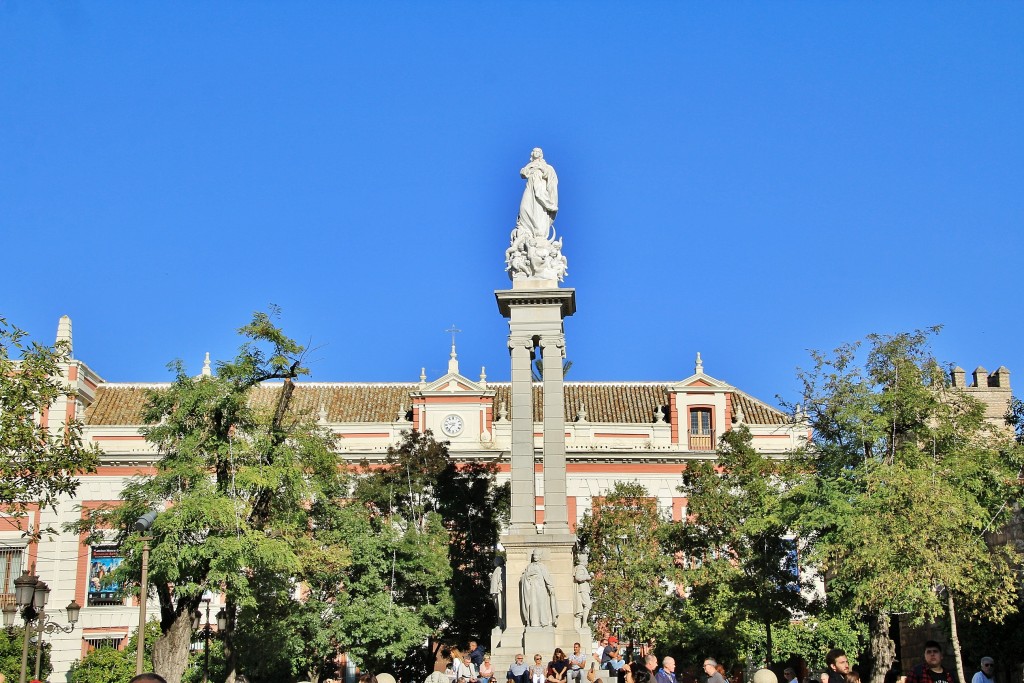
[555, 508]
[540, 589]
[523, 519]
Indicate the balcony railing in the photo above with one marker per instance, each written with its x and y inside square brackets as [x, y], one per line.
[702, 441]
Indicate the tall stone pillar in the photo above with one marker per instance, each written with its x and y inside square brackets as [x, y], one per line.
[536, 311]
[555, 508]
[523, 491]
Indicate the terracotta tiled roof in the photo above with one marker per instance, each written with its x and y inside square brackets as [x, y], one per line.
[344, 402]
[619, 403]
[755, 412]
[118, 404]
[623, 403]
[123, 404]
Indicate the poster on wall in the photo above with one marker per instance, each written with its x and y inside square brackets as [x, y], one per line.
[104, 560]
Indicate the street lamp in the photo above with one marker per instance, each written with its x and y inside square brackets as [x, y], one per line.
[31, 596]
[142, 525]
[43, 625]
[24, 589]
[197, 621]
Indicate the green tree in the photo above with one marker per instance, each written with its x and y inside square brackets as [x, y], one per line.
[237, 472]
[103, 665]
[419, 482]
[740, 543]
[622, 536]
[11, 641]
[909, 476]
[37, 464]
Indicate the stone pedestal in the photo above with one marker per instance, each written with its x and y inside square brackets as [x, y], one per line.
[536, 311]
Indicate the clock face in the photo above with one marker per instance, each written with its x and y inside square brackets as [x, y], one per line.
[452, 425]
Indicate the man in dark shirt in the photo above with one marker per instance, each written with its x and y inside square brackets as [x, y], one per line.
[711, 669]
[476, 654]
[606, 653]
[932, 670]
[838, 666]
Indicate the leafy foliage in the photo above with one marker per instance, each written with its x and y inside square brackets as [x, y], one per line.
[909, 476]
[236, 479]
[37, 464]
[628, 562]
[738, 551]
[11, 641]
[420, 487]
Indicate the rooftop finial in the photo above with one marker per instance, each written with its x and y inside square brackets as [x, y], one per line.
[206, 366]
[423, 378]
[453, 362]
[64, 333]
[322, 415]
[739, 416]
[483, 376]
[699, 369]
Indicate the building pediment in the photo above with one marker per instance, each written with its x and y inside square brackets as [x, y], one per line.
[454, 383]
[700, 381]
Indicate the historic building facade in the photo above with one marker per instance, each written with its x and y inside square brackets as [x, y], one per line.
[635, 431]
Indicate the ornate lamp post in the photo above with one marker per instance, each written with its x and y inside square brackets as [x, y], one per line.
[142, 525]
[222, 624]
[30, 597]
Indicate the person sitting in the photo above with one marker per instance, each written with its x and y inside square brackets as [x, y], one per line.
[519, 672]
[537, 670]
[485, 672]
[467, 672]
[617, 665]
[557, 667]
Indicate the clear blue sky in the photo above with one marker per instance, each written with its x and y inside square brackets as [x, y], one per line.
[748, 180]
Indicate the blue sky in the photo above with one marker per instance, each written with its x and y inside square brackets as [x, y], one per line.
[747, 180]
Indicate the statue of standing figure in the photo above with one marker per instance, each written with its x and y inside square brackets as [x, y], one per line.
[540, 198]
[534, 251]
[498, 589]
[537, 594]
[583, 602]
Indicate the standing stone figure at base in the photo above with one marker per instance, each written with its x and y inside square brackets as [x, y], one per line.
[582, 603]
[498, 589]
[537, 594]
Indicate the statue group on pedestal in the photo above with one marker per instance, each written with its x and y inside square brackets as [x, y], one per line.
[537, 601]
[534, 251]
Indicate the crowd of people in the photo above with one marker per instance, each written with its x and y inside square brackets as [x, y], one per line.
[474, 666]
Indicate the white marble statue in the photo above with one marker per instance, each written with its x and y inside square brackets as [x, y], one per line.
[534, 252]
[537, 594]
[581, 576]
[540, 198]
[498, 589]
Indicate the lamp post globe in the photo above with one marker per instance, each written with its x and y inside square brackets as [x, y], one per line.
[41, 596]
[10, 614]
[73, 609]
[24, 588]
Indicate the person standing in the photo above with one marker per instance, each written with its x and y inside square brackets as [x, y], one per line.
[838, 666]
[789, 675]
[711, 669]
[932, 670]
[988, 667]
[667, 672]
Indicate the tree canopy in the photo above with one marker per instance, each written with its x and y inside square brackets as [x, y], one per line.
[38, 462]
[908, 477]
